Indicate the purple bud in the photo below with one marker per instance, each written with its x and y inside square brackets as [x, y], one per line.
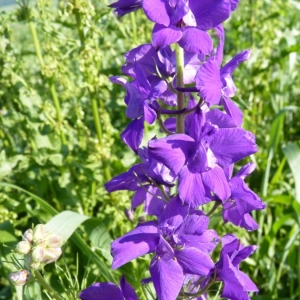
[129, 214]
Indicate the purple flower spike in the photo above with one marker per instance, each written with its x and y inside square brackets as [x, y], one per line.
[236, 283]
[109, 291]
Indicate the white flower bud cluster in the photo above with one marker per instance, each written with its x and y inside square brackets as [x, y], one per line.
[40, 247]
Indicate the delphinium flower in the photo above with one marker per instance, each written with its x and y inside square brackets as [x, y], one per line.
[192, 166]
[181, 241]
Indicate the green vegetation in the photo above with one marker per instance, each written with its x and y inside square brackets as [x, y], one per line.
[60, 120]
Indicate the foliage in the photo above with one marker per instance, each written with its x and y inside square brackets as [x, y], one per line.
[55, 60]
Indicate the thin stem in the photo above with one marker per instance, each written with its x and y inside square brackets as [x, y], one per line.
[39, 55]
[179, 83]
[134, 31]
[216, 205]
[40, 279]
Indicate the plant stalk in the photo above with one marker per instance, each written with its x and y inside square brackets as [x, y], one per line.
[180, 83]
[40, 279]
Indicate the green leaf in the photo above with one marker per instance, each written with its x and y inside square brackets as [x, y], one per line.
[65, 223]
[292, 154]
[76, 238]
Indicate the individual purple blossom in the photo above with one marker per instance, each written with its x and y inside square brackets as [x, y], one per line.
[144, 179]
[242, 200]
[215, 84]
[109, 291]
[236, 283]
[198, 158]
[181, 242]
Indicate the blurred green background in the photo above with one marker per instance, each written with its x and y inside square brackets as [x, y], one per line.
[60, 120]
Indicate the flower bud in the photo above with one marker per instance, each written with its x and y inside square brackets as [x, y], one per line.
[51, 255]
[129, 214]
[28, 236]
[38, 254]
[39, 233]
[20, 277]
[23, 247]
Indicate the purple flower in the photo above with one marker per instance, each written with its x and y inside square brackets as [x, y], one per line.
[198, 158]
[181, 242]
[216, 85]
[109, 291]
[144, 179]
[242, 201]
[236, 283]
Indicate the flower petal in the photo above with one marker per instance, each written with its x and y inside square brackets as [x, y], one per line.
[127, 290]
[196, 41]
[139, 241]
[164, 36]
[133, 134]
[167, 278]
[102, 291]
[194, 261]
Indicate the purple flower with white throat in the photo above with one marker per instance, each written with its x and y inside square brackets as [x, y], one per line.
[181, 242]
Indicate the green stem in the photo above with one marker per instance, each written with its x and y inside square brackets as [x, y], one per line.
[93, 99]
[134, 31]
[40, 279]
[39, 55]
[179, 83]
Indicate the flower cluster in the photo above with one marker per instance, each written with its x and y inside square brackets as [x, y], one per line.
[39, 247]
[180, 82]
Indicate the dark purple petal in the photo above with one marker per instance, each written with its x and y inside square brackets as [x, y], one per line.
[154, 204]
[102, 291]
[172, 150]
[216, 181]
[234, 4]
[174, 213]
[164, 36]
[229, 88]
[222, 120]
[139, 241]
[167, 278]
[123, 7]
[246, 170]
[233, 282]
[128, 180]
[231, 214]
[209, 14]
[206, 242]
[233, 110]
[219, 53]
[196, 41]
[133, 134]
[245, 199]
[193, 224]
[191, 189]
[208, 82]
[164, 250]
[194, 261]
[149, 114]
[243, 254]
[127, 290]
[230, 145]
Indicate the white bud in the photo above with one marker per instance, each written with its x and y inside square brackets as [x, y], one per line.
[19, 277]
[23, 247]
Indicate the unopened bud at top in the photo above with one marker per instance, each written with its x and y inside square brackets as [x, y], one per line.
[19, 277]
[23, 247]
